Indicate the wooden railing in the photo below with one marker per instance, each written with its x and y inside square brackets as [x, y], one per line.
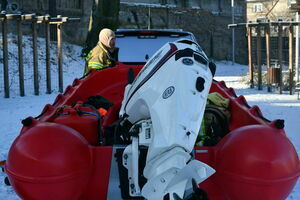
[35, 20]
[264, 27]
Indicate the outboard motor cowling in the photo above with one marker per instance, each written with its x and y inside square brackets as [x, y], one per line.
[165, 104]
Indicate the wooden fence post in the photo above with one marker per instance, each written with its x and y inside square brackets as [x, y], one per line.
[53, 12]
[291, 53]
[5, 56]
[20, 55]
[258, 52]
[59, 56]
[58, 21]
[35, 57]
[249, 35]
[267, 29]
[48, 71]
[280, 56]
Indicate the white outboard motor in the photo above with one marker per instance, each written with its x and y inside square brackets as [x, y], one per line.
[165, 105]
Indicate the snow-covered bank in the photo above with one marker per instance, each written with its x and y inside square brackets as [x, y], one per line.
[16, 108]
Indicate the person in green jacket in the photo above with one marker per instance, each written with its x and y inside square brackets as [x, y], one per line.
[104, 54]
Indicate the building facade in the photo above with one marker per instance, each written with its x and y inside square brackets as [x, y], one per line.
[272, 10]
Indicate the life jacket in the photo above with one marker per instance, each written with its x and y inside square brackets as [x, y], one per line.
[215, 123]
[2, 162]
[99, 58]
[87, 58]
[102, 111]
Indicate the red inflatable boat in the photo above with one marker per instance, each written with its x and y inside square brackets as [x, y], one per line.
[67, 152]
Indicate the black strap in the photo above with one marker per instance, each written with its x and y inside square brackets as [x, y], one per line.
[98, 115]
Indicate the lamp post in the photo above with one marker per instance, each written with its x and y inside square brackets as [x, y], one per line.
[297, 48]
[233, 39]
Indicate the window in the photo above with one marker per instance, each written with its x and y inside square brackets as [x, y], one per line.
[138, 54]
[257, 8]
[291, 3]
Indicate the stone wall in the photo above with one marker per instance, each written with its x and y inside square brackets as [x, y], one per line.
[209, 28]
[74, 32]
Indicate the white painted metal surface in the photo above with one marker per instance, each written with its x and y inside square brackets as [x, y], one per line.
[165, 92]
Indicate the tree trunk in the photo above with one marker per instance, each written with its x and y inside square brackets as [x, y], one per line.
[105, 14]
[53, 13]
[184, 3]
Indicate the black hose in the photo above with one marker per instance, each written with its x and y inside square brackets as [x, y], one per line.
[100, 133]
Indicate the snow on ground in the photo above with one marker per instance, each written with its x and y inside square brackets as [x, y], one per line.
[16, 108]
[273, 105]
